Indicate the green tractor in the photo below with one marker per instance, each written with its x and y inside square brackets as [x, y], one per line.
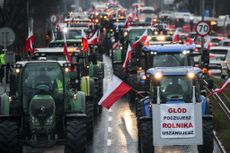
[42, 109]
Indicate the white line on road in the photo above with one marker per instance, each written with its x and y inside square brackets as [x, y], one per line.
[109, 142]
[110, 118]
[110, 129]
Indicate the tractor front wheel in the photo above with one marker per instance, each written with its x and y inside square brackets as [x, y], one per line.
[9, 137]
[146, 136]
[75, 137]
[208, 145]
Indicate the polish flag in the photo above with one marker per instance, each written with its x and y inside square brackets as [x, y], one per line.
[115, 45]
[207, 42]
[127, 57]
[142, 39]
[65, 52]
[93, 39]
[189, 41]
[99, 37]
[29, 42]
[221, 89]
[116, 89]
[127, 22]
[175, 36]
[85, 45]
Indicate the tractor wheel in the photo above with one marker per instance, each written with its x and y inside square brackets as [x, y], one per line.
[75, 137]
[9, 137]
[146, 136]
[98, 94]
[90, 119]
[208, 145]
[139, 109]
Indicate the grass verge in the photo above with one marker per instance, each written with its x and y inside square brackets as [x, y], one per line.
[221, 122]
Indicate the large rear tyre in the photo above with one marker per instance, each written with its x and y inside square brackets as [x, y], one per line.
[146, 136]
[9, 137]
[208, 145]
[75, 137]
[90, 119]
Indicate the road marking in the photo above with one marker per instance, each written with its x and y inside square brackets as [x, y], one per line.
[110, 129]
[110, 118]
[109, 142]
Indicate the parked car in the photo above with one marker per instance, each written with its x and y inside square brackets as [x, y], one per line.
[220, 60]
[225, 42]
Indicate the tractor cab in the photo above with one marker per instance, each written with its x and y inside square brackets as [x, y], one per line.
[177, 85]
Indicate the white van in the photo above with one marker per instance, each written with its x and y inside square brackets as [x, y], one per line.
[220, 58]
[146, 13]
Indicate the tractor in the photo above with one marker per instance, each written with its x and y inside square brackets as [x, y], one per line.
[43, 109]
[83, 77]
[174, 88]
[165, 55]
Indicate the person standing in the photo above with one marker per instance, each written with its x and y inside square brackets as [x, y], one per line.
[2, 64]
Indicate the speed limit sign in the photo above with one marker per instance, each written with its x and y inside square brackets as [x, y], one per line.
[203, 28]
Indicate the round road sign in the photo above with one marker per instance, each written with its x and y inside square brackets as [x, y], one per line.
[53, 18]
[7, 36]
[203, 28]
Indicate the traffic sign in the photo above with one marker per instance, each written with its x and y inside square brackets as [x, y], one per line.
[7, 36]
[203, 28]
[53, 18]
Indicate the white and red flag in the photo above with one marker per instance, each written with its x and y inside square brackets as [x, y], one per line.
[29, 41]
[93, 39]
[115, 45]
[99, 37]
[65, 51]
[127, 57]
[85, 44]
[221, 89]
[116, 89]
[175, 36]
[207, 42]
[142, 39]
[127, 22]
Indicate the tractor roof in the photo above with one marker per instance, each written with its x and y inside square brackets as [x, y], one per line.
[180, 70]
[54, 50]
[23, 63]
[168, 48]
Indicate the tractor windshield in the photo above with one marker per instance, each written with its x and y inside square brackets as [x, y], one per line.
[176, 88]
[170, 60]
[134, 34]
[42, 79]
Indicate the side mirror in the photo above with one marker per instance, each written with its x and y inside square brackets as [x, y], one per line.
[12, 85]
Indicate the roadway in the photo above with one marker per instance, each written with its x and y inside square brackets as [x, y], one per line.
[116, 130]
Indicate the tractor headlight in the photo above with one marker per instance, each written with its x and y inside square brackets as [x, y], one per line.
[125, 33]
[161, 38]
[191, 75]
[186, 52]
[158, 76]
[67, 69]
[17, 70]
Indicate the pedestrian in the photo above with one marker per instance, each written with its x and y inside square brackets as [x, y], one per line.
[2, 64]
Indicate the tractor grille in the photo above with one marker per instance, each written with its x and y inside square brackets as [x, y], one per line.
[42, 109]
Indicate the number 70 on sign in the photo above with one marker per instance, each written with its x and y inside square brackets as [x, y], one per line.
[203, 28]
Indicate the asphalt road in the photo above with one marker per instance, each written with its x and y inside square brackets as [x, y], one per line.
[116, 130]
